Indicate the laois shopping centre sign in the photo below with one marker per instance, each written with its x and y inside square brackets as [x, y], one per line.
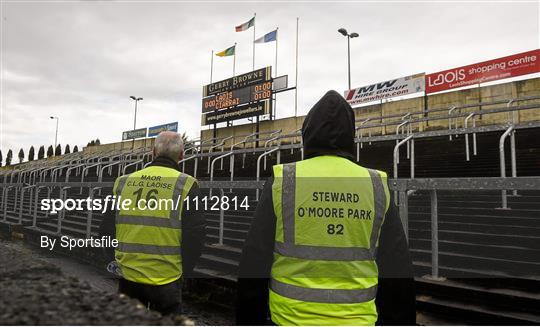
[511, 66]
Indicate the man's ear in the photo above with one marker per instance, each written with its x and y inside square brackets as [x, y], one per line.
[181, 156]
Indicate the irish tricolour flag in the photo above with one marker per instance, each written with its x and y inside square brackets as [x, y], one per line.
[246, 25]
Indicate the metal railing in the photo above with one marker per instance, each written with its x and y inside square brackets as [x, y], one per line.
[433, 185]
[212, 167]
[423, 113]
[222, 145]
[259, 167]
[396, 159]
[401, 186]
[510, 131]
[183, 162]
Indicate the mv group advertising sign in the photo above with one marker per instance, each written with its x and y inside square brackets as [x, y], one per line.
[388, 89]
[510, 66]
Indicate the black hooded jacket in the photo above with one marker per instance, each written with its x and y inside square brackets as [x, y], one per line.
[327, 130]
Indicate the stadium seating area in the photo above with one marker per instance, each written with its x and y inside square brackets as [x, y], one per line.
[488, 258]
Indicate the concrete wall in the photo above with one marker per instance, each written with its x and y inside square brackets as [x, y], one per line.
[140, 143]
[506, 91]
[286, 125]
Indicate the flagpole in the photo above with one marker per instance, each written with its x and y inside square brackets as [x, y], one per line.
[257, 118]
[254, 23]
[234, 61]
[275, 75]
[211, 73]
[276, 50]
[296, 74]
[211, 66]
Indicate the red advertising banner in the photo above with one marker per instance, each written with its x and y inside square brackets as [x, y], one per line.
[491, 70]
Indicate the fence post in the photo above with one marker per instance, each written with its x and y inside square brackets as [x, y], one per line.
[502, 163]
[34, 221]
[434, 236]
[90, 213]
[513, 157]
[412, 158]
[221, 218]
[2, 197]
[5, 196]
[21, 206]
[59, 214]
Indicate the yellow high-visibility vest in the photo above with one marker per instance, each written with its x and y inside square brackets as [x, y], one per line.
[149, 230]
[329, 214]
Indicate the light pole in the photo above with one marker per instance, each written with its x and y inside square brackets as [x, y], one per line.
[349, 37]
[134, 118]
[56, 134]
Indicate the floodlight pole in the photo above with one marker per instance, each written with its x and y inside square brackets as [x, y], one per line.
[135, 116]
[349, 36]
[349, 58]
[136, 99]
[56, 133]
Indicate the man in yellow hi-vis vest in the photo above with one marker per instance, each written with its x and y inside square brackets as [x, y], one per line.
[326, 246]
[159, 239]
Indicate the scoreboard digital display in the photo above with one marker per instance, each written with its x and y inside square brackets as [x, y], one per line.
[228, 99]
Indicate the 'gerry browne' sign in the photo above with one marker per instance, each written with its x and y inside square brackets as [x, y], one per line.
[247, 79]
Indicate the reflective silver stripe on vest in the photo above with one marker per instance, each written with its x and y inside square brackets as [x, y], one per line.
[323, 295]
[149, 221]
[148, 249]
[287, 201]
[380, 208]
[326, 253]
[177, 197]
[121, 183]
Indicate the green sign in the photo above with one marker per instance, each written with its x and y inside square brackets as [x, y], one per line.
[134, 134]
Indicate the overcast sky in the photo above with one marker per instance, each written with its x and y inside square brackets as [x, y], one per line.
[81, 61]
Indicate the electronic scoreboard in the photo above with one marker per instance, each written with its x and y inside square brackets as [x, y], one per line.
[242, 96]
[258, 92]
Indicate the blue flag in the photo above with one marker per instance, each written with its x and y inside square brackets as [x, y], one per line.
[269, 37]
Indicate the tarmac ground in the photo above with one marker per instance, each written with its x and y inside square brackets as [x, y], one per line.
[41, 289]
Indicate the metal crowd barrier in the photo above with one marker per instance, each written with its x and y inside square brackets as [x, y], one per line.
[403, 186]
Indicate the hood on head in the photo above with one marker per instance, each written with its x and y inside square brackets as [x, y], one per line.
[329, 128]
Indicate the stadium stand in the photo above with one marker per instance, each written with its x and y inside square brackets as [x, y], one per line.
[476, 256]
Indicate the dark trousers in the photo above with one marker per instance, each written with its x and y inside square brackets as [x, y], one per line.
[166, 299]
